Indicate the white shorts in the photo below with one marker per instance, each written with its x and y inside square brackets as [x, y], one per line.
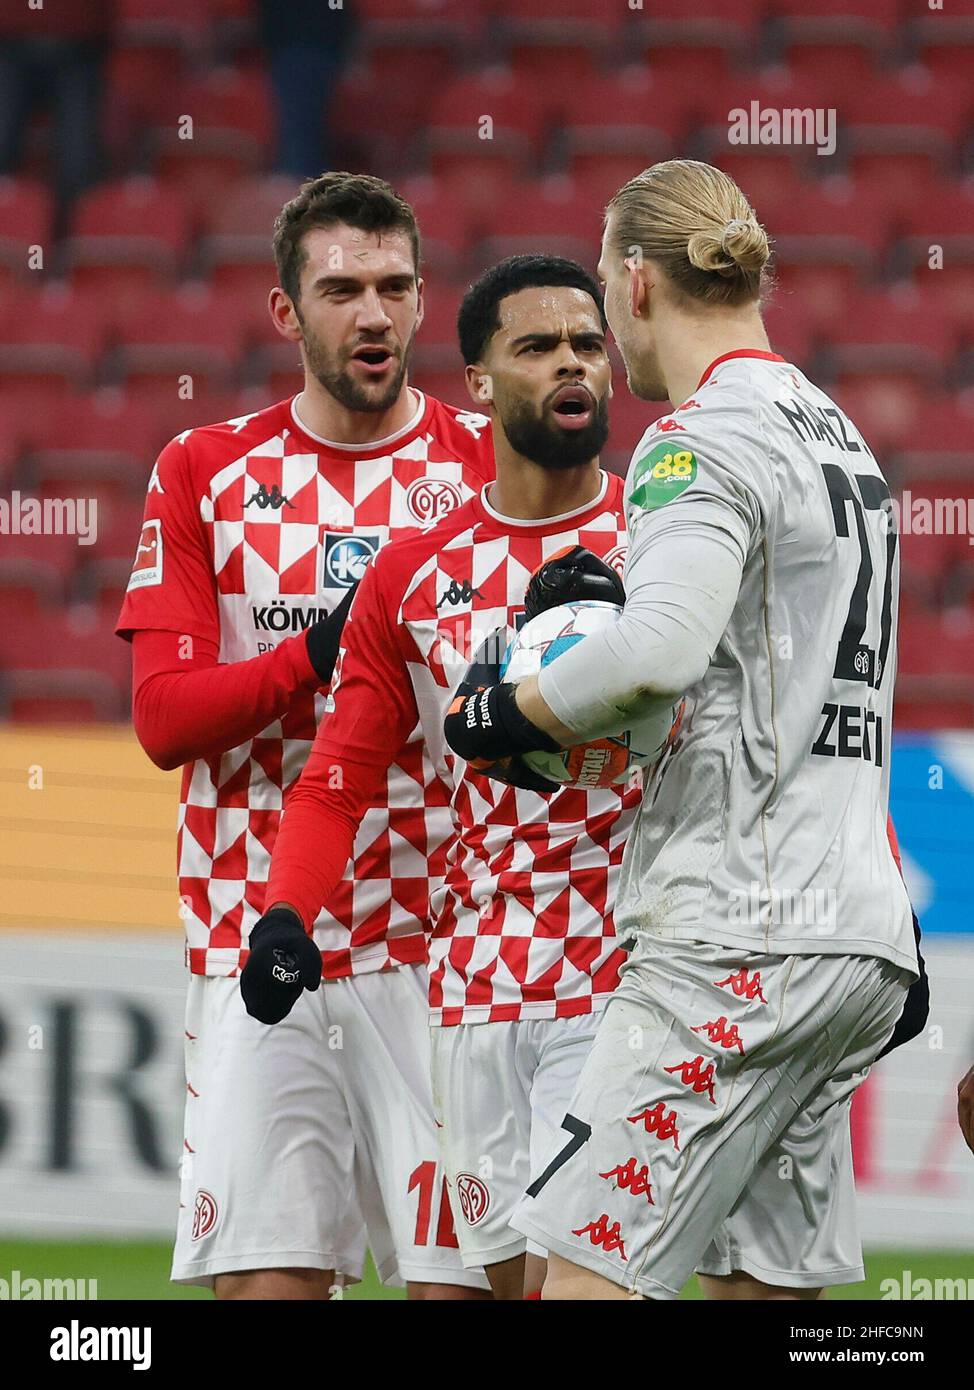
[500, 1092]
[710, 1127]
[301, 1136]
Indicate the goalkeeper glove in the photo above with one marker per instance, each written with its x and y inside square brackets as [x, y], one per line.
[572, 575]
[487, 726]
[483, 671]
[283, 961]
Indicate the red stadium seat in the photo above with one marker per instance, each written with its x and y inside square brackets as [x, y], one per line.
[137, 231]
[445, 225]
[933, 528]
[935, 671]
[557, 44]
[232, 125]
[101, 439]
[689, 47]
[484, 128]
[547, 217]
[626, 122]
[830, 222]
[905, 122]
[236, 250]
[26, 210]
[886, 413]
[52, 334]
[891, 334]
[425, 38]
[62, 667]
[944, 44]
[938, 245]
[194, 332]
[847, 38]
[727, 137]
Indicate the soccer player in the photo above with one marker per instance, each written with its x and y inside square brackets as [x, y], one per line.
[770, 930]
[256, 531]
[522, 954]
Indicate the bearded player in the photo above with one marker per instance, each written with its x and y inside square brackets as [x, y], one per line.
[256, 531]
[771, 934]
[523, 954]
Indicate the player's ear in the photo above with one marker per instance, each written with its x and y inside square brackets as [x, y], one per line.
[284, 316]
[420, 300]
[479, 385]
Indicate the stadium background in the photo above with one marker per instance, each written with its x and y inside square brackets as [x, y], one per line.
[134, 267]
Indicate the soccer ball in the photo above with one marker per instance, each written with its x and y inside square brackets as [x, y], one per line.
[603, 762]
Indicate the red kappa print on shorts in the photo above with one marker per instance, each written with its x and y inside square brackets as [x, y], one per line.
[693, 1073]
[655, 1122]
[631, 1179]
[743, 987]
[718, 1031]
[601, 1233]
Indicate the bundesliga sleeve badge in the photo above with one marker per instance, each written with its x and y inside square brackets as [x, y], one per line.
[148, 557]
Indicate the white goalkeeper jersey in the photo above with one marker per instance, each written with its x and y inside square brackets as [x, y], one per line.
[765, 827]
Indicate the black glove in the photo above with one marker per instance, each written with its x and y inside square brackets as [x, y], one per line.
[283, 961]
[325, 637]
[572, 575]
[916, 1008]
[487, 726]
[485, 670]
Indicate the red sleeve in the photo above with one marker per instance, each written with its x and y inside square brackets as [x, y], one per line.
[372, 711]
[894, 844]
[186, 705]
[172, 586]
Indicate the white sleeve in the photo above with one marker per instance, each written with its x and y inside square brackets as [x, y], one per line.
[693, 520]
[683, 589]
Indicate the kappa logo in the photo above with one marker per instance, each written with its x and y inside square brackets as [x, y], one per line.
[744, 987]
[658, 1123]
[457, 593]
[601, 1233]
[474, 1198]
[347, 558]
[718, 1031]
[693, 1073]
[428, 499]
[274, 498]
[665, 426]
[632, 1179]
[147, 569]
[204, 1214]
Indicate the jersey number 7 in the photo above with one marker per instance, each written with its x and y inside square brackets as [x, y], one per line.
[855, 660]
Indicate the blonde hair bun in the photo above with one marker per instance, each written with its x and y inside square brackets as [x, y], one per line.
[742, 245]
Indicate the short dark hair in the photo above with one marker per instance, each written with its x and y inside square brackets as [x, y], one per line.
[358, 200]
[478, 319]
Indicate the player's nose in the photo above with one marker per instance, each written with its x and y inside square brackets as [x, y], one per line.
[372, 316]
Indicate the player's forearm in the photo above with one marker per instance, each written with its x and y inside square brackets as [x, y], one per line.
[200, 708]
[322, 814]
[682, 583]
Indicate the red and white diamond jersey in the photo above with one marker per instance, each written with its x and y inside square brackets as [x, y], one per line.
[253, 528]
[522, 925]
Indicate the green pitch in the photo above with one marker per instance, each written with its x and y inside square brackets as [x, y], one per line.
[141, 1271]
